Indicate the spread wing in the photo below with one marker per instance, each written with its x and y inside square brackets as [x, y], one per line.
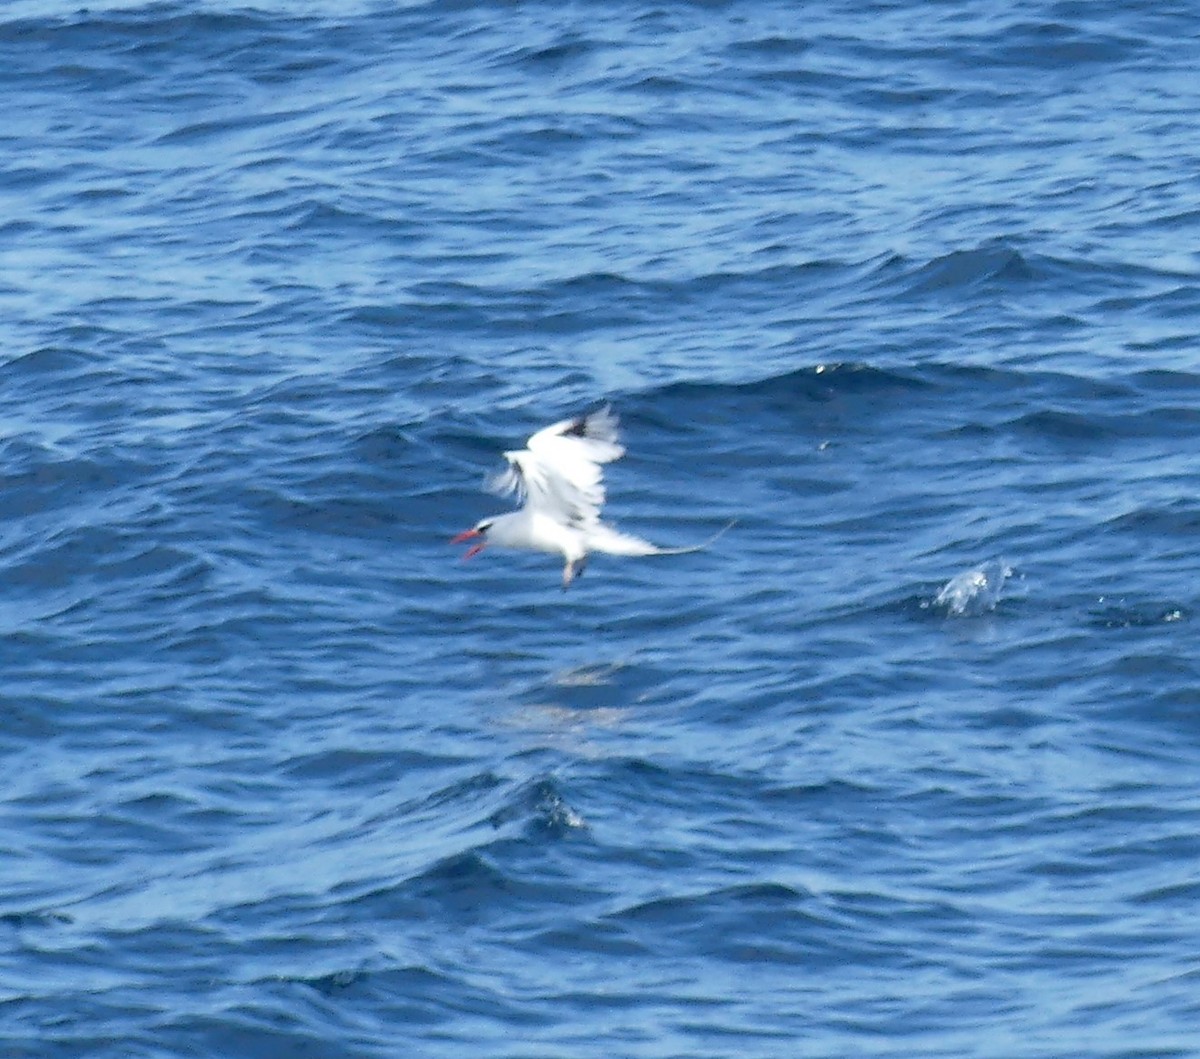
[559, 473]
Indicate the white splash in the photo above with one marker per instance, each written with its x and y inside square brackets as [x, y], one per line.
[974, 591]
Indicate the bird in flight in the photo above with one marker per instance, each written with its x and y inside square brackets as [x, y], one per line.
[559, 479]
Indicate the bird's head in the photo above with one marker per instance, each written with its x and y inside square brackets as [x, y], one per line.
[480, 530]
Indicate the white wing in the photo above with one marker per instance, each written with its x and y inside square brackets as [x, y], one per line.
[559, 472]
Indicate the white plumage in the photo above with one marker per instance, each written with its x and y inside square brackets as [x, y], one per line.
[559, 479]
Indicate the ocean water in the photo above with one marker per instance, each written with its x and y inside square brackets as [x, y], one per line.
[906, 764]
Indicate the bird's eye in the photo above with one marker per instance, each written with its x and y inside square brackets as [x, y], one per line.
[483, 527]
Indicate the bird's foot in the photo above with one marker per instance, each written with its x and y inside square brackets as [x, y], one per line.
[571, 571]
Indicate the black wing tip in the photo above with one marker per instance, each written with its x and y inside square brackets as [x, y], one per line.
[580, 426]
[577, 428]
[599, 423]
[509, 480]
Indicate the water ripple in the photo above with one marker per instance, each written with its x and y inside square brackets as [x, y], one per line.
[897, 289]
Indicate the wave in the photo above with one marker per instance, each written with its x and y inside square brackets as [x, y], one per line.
[963, 269]
[819, 383]
[1001, 265]
[1177, 518]
[106, 23]
[961, 400]
[1052, 45]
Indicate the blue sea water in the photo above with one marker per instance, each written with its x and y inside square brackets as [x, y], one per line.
[907, 764]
